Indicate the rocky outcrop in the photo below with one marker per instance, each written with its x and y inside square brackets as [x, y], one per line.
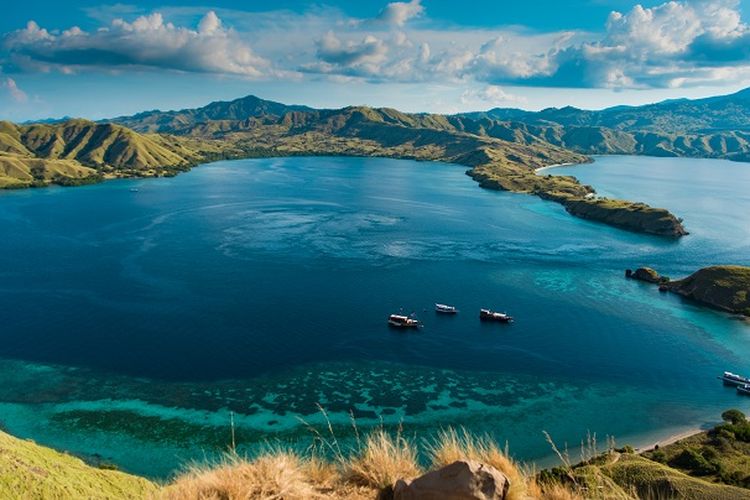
[722, 287]
[646, 274]
[461, 480]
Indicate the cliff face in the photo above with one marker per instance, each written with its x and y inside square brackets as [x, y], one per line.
[722, 287]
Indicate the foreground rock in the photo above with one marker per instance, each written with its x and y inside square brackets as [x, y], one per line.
[722, 287]
[461, 480]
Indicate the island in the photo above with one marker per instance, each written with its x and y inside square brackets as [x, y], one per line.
[726, 288]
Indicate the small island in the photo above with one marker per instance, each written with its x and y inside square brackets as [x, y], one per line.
[726, 288]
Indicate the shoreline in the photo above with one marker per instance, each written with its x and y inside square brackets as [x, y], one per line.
[556, 165]
[669, 439]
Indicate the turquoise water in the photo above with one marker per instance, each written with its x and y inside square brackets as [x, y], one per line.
[134, 323]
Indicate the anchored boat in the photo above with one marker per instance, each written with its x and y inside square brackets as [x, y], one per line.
[490, 315]
[445, 309]
[743, 389]
[401, 321]
[730, 378]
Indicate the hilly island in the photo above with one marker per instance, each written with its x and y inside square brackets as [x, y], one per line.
[502, 147]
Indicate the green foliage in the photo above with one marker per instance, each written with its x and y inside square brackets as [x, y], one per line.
[733, 416]
[28, 470]
[721, 287]
[696, 463]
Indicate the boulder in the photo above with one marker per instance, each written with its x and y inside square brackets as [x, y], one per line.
[461, 480]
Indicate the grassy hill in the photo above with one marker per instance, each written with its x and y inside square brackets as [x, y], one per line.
[79, 152]
[721, 287]
[371, 468]
[715, 127]
[28, 470]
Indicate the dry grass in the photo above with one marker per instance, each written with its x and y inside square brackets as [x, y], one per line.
[273, 476]
[367, 472]
[451, 445]
[383, 460]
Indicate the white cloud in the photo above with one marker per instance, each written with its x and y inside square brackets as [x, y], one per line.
[398, 13]
[15, 92]
[677, 43]
[492, 95]
[147, 42]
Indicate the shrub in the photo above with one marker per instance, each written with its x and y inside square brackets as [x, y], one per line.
[733, 416]
[693, 461]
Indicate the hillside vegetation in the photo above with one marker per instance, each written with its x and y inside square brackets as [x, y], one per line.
[721, 455]
[79, 152]
[28, 470]
[715, 127]
[371, 469]
[722, 287]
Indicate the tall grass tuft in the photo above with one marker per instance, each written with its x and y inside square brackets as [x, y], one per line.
[451, 445]
[382, 460]
[277, 475]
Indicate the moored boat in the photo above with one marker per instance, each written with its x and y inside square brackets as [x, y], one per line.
[490, 315]
[730, 378]
[743, 389]
[401, 321]
[445, 309]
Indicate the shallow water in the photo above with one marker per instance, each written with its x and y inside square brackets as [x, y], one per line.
[135, 322]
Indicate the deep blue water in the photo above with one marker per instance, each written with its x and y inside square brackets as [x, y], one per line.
[134, 322]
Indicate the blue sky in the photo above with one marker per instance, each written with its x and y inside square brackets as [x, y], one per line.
[97, 60]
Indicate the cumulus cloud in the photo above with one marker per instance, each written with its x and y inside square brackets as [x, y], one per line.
[669, 45]
[147, 42]
[398, 13]
[9, 84]
[677, 43]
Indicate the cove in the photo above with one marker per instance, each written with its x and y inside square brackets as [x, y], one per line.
[134, 322]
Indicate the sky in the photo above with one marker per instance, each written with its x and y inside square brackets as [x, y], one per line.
[97, 60]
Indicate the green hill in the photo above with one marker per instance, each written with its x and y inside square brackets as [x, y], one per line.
[714, 127]
[28, 470]
[80, 151]
[721, 287]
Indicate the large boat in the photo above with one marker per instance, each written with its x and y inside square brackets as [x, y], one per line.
[401, 321]
[730, 378]
[489, 315]
[445, 309]
[743, 389]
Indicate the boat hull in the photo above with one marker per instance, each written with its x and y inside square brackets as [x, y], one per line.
[402, 326]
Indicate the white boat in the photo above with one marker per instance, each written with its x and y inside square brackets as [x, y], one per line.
[730, 378]
[401, 321]
[490, 315]
[445, 309]
[743, 389]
